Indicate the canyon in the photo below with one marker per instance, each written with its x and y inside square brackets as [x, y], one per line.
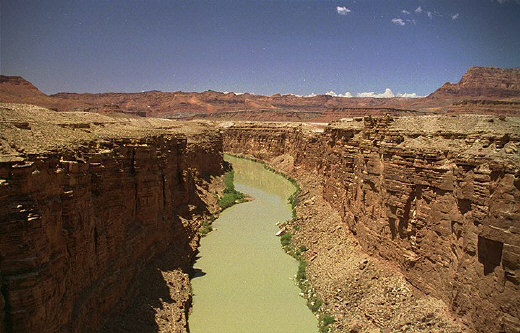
[409, 208]
[90, 203]
[436, 197]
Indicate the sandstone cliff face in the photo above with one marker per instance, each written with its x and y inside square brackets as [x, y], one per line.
[483, 82]
[438, 196]
[82, 214]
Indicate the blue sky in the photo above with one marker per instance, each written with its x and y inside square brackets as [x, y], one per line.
[264, 47]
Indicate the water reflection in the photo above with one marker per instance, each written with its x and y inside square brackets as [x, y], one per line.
[196, 272]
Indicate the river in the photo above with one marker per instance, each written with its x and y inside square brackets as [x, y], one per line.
[244, 278]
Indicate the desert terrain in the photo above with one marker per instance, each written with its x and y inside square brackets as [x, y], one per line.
[482, 90]
[408, 207]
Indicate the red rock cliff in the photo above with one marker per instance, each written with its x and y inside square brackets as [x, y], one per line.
[483, 82]
[438, 196]
[478, 85]
[86, 201]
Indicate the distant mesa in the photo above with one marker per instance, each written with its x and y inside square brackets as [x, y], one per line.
[499, 87]
[483, 82]
[17, 86]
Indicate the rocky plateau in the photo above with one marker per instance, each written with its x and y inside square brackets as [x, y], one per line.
[409, 208]
[482, 90]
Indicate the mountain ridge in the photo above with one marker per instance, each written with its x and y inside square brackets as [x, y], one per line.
[478, 83]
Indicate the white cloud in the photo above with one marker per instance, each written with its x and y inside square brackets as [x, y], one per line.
[398, 21]
[342, 10]
[407, 95]
[455, 16]
[430, 15]
[387, 94]
[405, 12]
[333, 94]
[419, 10]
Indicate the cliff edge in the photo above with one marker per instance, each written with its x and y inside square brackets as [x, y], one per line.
[435, 196]
[87, 204]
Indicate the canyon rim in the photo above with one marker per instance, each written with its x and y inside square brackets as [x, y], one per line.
[376, 143]
[410, 222]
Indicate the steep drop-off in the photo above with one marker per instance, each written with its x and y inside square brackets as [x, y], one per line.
[437, 197]
[87, 203]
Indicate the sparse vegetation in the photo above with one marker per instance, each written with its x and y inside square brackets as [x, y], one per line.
[314, 303]
[286, 239]
[206, 226]
[301, 275]
[325, 321]
[293, 200]
[230, 196]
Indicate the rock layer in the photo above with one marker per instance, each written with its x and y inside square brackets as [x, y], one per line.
[86, 202]
[483, 82]
[495, 85]
[436, 196]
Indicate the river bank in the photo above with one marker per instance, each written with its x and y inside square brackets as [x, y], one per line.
[362, 293]
[243, 279]
[431, 197]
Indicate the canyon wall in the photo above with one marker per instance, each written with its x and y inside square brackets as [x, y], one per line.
[436, 196]
[86, 202]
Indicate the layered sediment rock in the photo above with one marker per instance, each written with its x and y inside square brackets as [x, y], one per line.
[86, 203]
[483, 82]
[437, 196]
[479, 83]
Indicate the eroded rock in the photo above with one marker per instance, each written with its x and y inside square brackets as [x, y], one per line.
[423, 193]
[86, 209]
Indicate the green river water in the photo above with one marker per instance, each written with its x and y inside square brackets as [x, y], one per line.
[244, 278]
